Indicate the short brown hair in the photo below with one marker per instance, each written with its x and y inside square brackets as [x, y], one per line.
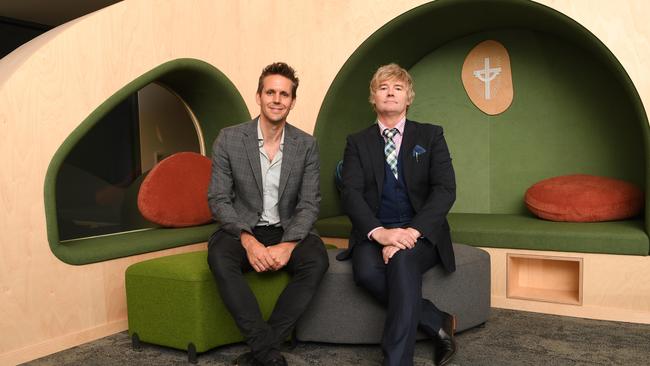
[279, 68]
[388, 72]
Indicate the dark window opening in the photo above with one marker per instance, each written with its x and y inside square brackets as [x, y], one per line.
[98, 183]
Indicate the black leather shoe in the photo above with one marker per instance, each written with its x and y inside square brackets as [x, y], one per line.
[445, 344]
[246, 359]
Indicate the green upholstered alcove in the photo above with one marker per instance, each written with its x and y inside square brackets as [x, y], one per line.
[569, 115]
[575, 110]
[215, 103]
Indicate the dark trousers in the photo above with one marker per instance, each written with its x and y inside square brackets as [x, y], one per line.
[228, 262]
[398, 285]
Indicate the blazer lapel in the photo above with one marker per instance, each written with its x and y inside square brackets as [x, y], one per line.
[253, 151]
[376, 153]
[408, 142]
[288, 157]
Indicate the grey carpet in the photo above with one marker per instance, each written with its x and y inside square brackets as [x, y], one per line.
[509, 338]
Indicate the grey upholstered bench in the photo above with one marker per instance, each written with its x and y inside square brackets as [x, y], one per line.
[341, 312]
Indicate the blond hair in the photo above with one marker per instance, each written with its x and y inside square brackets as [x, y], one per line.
[391, 71]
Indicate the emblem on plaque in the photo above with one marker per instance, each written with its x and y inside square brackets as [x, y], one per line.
[487, 77]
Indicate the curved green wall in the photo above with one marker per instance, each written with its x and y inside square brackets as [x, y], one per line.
[575, 110]
[569, 115]
[215, 102]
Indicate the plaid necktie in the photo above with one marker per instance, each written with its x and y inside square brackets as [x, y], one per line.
[390, 150]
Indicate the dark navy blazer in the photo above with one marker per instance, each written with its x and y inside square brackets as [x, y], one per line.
[429, 177]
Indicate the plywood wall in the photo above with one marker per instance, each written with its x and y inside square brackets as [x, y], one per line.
[52, 83]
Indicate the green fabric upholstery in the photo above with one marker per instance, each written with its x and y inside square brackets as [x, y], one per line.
[173, 301]
[528, 232]
[336, 227]
[100, 248]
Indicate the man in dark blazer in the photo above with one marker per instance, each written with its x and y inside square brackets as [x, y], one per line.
[264, 194]
[399, 186]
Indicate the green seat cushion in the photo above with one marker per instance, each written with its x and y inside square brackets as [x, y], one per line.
[527, 232]
[99, 248]
[173, 301]
[336, 227]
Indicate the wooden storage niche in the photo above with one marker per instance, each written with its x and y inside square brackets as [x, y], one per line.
[544, 278]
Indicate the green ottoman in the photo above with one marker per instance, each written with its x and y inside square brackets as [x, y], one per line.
[173, 301]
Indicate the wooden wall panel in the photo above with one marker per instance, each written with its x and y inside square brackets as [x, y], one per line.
[52, 83]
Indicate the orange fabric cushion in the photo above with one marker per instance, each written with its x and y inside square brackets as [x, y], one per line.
[175, 193]
[584, 198]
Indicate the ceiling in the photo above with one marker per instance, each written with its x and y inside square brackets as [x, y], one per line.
[48, 12]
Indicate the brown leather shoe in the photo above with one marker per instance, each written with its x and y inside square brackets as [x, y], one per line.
[445, 344]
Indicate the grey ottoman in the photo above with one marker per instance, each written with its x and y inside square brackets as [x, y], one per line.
[341, 312]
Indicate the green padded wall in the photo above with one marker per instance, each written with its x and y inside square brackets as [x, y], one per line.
[215, 102]
[569, 115]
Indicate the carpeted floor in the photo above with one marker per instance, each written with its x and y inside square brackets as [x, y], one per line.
[508, 338]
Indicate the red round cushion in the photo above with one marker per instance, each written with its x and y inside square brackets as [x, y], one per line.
[584, 198]
[175, 193]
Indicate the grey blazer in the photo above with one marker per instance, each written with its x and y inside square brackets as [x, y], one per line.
[235, 192]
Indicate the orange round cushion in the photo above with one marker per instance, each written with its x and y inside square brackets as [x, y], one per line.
[175, 193]
[584, 198]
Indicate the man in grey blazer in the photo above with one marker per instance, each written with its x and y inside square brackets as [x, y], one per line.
[264, 194]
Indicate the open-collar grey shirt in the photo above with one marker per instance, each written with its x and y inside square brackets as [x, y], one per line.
[270, 181]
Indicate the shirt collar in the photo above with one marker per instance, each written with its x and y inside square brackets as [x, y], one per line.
[260, 136]
[400, 126]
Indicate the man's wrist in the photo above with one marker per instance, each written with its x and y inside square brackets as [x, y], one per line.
[288, 244]
[372, 232]
[246, 239]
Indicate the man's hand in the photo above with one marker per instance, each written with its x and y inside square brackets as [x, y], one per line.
[258, 255]
[414, 233]
[388, 252]
[400, 238]
[281, 253]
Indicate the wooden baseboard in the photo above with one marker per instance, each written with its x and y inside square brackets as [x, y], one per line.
[584, 311]
[54, 345]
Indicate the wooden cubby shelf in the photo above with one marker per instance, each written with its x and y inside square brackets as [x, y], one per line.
[544, 278]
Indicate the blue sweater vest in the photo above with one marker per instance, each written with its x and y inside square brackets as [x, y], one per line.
[395, 209]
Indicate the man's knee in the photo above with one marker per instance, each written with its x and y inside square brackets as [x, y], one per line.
[405, 260]
[312, 255]
[315, 263]
[223, 258]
